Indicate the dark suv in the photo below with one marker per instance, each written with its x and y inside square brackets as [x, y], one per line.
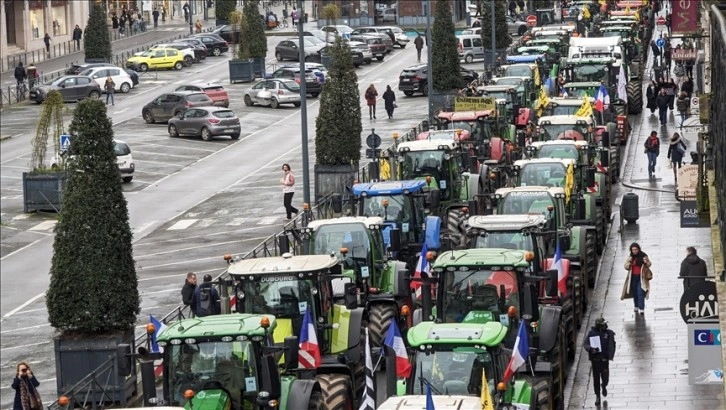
[169, 105]
[358, 59]
[312, 84]
[414, 79]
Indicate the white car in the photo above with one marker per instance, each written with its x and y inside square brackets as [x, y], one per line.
[273, 92]
[124, 160]
[121, 79]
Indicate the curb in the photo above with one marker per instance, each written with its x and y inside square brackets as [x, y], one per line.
[5, 137]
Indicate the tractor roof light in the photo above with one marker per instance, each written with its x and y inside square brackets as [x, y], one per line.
[227, 257]
[465, 210]
[265, 322]
[405, 310]
[189, 394]
[430, 256]
[512, 311]
[550, 208]
[343, 251]
[529, 256]
[63, 401]
[150, 329]
[272, 403]
[492, 175]
[501, 386]
[534, 325]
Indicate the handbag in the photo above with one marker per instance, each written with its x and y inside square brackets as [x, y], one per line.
[33, 400]
[647, 273]
[395, 105]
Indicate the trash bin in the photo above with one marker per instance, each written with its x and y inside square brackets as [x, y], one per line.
[629, 207]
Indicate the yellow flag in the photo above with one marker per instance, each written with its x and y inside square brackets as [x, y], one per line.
[385, 169]
[569, 181]
[585, 12]
[542, 102]
[537, 79]
[627, 10]
[637, 15]
[585, 109]
[486, 396]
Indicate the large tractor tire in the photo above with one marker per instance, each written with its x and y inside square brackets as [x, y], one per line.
[337, 391]
[455, 220]
[379, 319]
[316, 401]
[578, 298]
[557, 373]
[614, 164]
[635, 97]
[541, 395]
[620, 110]
[568, 324]
[591, 257]
[601, 227]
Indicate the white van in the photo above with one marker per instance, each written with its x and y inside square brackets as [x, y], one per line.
[121, 79]
[470, 47]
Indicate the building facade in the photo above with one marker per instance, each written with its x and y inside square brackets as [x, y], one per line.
[386, 12]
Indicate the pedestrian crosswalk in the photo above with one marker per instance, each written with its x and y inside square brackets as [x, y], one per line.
[200, 223]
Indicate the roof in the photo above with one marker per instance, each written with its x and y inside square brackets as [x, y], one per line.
[460, 334]
[216, 327]
[388, 187]
[346, 220]
[444, 135]
[539, 144]
[277, 265]
[568, 101]
[507, 222]
[525, 59]
[481, 258]
[564, 161]
[551, 190]
[595, 41]
[565, 119]
[205, 85]
[417, 402]
[426, 145]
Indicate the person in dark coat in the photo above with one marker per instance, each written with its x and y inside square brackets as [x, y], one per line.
[672, 92]
[46, 40]
[676, 150]
[187, 292]
[77, 35]
[155, 15]
[200, 301]
[656, 52]
[682, 105]
[668, 57]
[419, 43]
[687, 87]
[693, 266]
[371, 96]
[114, 22]
[26, 388]
[389, 98]
[650, 94]
[661, 101]
[600, 357]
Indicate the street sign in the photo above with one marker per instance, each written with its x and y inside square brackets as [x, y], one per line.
[661, 21]
[373, 140]
[683, 54]
[704, 354]
[687, 181]
[65, 143]
[373, 153]
[660, 42]
[695, 106]
[532, 20]
[699, 303]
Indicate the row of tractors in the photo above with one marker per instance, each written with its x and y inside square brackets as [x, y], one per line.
[512, 204]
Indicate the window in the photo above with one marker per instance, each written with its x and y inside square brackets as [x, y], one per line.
[467, 43]
[261, 84]
[454, 372]
[191, 113]
[330, 238]
[477, 290]
[70, 82]
[172, 53]
[198, 98]
[173, 98]
[121, 148]
[284, 296]
[224, 114]
[83, 81]
[159, 53]
[114, 72]
[477, 42]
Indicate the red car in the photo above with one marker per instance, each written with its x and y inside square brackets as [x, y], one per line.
[378, 49]
[215, 92]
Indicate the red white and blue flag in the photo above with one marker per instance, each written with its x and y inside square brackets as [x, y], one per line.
[309, 355]
[429, 398]
[422, 266]
[395, 342]
[519, 353]
[602, 100]
[561, 280]
[158, 328]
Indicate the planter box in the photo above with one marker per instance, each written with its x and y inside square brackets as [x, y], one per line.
[333, 179]
[43, 192]
[258, 65]
[241, 71]
[76, 358]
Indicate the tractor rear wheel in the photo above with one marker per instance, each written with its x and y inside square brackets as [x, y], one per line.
[540, 395]
[591, 256]
[635, 97]
[379, 319]
[316, 401]
[577, 299]
[337, 391]
[455, 219]
[601, 227]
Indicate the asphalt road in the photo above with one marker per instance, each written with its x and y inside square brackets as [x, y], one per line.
[190, 201]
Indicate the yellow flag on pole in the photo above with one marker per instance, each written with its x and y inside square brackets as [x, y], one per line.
[627, 10]
[542, 102]
[486, 396]
[585, 12]
[385, 169]
[537, 79]
[585, 109]
[569, 181]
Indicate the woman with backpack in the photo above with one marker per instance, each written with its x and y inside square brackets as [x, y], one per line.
[682, 104]
[652, 149]
[676, 151]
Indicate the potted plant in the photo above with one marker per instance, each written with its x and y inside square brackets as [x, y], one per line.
[43, 185]
[93, 298]
[255, 37]
[240, 66]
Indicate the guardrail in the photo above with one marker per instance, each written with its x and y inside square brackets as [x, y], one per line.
[82, 393]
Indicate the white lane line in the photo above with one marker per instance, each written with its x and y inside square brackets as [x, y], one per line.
[44, 226]
[27, 345]
[27, 303]
[164, 154]
[143, 171]
[269, 220]
[151, 255]
[21, 216]
[236, 222]
[190, 261]
[204, 223]
[204, 236]
[22, 249]
[167, 164]
[15, 167]
[137, 144]
[183, 224]
[143, 227]
[9, 177]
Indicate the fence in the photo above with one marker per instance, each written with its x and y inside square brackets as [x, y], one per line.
[717, 136]
[82, 395]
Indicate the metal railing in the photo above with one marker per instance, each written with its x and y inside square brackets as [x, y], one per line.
[717, 137]
[82, 394]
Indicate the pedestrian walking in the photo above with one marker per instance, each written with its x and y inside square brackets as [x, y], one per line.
[77, 35]
[637, 281]
[662, 102]
[295, 17]
[206, 298]
[32, 75]
[46, 40]
[682, 104]
[186, 13]
[109, 86]
[689, 67]
[671, 92]
[131, 21]
[155, 16]
[668, 57]
[187, 291]
[20, 76]
[26, 389]
[418, 42]
[676, 151]
[652, 150]
[668, 23]
[389, 97]
[198, 26]
[687, 87]
[693, 267]
[163, 13]
[371, 96]
[600, 347]
[114, 22]
[656, 53]
[650, 94]
[288, 190]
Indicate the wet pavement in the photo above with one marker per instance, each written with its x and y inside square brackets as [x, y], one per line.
[650, 369]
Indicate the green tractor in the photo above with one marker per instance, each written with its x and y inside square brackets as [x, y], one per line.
[585, 75]
[286, 287]
[451, 359]
[227, 362]
[553, 203]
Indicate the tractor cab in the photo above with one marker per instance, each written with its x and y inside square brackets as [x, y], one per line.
[505, 96]
[356, 240]
[457, 134]
[545, 17]
[522, 66]
[511, 232]
[549, 172]
[593, 48]
[435, 161]
[534, 200]
[565, 127]
[555, 48]
[562, 36]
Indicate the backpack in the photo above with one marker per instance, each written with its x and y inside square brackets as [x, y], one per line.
[205, 302]
[681, 148]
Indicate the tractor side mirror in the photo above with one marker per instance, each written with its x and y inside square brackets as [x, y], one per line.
[606, 139]
[292, 349]
[590, 176]
[531, 308]
[395, 240]
[351, 296]
[433, 201]
[580, 208]
[605, 158]
[403, 287]
[552, 277]
[532, 96]
[564, 242]
[270, 388]
[123, 359]
[521, 138]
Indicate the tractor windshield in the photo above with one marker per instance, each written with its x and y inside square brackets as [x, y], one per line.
[518, 71]
[505, 240]
[477, 290]
[453, 372]
[478, 130]
[565, 110]
[422, 163]
[352, 236]
[558, 151]
[525, 202]
[591, 73]
[284, 296]
[560, 131]
[212, 365]
[539, 174]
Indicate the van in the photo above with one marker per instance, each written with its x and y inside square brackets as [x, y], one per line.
[124, 160]
[470, 47]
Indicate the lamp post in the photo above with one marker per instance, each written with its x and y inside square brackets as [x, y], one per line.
[494, 36]
[430, 76]
[303, 107]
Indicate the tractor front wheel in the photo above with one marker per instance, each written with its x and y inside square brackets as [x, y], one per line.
[379, 319]
[337, 391]
[455, 219]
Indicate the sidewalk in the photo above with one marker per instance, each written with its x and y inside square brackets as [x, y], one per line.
[650, 369]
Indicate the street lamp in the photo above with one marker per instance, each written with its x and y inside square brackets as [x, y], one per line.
[430, 73]
[303, 106]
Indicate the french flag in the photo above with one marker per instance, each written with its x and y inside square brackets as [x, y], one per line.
[421, 266]
[309, 355]
[395, 342]
[603, 98]
[155, 348]
[561, 280]
[519, 353]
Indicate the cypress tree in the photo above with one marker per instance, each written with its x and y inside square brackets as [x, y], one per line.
[224, 7]
[93, 285]
[445, 64]
[338, 126]
[255, 31]
[503, 39]
[96, 38]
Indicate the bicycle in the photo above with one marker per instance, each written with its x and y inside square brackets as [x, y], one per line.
[283, 23]
[20, 90]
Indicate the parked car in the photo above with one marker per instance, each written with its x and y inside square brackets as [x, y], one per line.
[336, 30]
[414, 79]
[278, 91]
[122, 81]
[169, 105]
[124, 160]
[388, 15]
[318, 69]
[155, 59]
[364, 49]
[516, 26]
[197, 43]
[213, 42]
[76, 69]
[289, 49]
[207, 122]
[71, 87]
[199, 49]
[312, 84]
[384, 33]
[227, 33]
[215, 92]
[378, 49]
[319, 34]
[470, 47]
[187, 51]
[399, 37]
[357, 55]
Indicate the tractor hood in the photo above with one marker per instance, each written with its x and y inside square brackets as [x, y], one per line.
[440, 403]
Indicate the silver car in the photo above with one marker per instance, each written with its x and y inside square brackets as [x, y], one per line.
[516, 27]
[273, 92]
[206, 122]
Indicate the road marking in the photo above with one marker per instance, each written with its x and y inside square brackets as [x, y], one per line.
[27, 303]
[204, 223]
[166, 154]
[14, 167]
[269, 220]
[143, 227]
[27, 345]
[188, 262]
[183, 224]
[44, 226]
[156, 163]
[9, 177]
[236, 221]
[193, 214]
[137, 144]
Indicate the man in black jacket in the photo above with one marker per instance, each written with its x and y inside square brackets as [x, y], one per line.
[693, 266]
[190, 285]
[205, 301]
[601, 355]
